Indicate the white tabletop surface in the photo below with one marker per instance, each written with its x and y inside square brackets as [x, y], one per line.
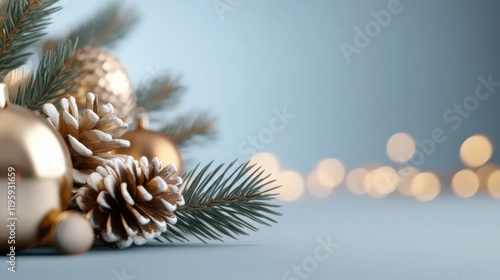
[393, 238]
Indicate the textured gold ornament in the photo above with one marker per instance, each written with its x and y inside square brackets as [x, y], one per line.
[103, 74]
[128, 201]
[148, 143]
[35, 184]
[90, 137]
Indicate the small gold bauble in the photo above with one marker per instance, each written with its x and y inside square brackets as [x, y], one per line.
[150, 144]
[35, 182]
[104, 75]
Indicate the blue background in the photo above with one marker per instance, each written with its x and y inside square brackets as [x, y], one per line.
[266, 55]
[261, 55]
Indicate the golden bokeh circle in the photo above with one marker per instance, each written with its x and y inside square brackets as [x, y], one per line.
[355, 179]
[425, 186]
[465, 183]
[315, 188]
[476, 151]
[401, 147]
[494, 184]
[292, 185]
[330, 172]
[266, 161]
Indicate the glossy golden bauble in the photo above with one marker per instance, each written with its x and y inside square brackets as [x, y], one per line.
[147, 143]
[35, 177]
[104, 75]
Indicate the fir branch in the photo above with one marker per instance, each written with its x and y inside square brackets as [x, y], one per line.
[186, 128]
[158, 93]
[55, 75]
[108, 26]
[22, 24]
[223, 202]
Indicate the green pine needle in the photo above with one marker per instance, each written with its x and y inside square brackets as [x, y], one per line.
[106, 28]
[158, 93]
[189, 127]
[55, 75]
[22, 23]
[223, 202]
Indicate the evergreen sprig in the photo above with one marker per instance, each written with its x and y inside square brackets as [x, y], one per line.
[56, 74]
[105, 28]
[184, 129]
[223, 202]
[158, 93]
[22, 23]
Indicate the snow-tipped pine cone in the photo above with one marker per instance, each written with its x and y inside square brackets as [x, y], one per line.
[90, 136]
[130, 201]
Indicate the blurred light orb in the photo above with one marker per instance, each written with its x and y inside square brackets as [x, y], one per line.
[465, 183]
[330, 172]
[425, 186]
[484, 173]
[494, 184]
[315, 188]
[401, 147]
[292, 185]
[385, 180]
[476, 150]
[355, 179]
[266, 160]
[368, 181]
[406, 174]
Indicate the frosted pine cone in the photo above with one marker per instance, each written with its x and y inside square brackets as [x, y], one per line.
[90, 137]
[128, 201]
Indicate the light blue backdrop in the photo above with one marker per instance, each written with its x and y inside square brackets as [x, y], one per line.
[243, 61]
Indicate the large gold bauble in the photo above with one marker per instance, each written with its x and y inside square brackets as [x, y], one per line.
[35, 181]
[150, 144]
[104, 75]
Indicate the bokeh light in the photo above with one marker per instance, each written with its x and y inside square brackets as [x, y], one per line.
[377, 182]
[315, 188]
[330, 172]
[425, 186]
[465, 183]
[292, 185]
[268, 161]
[406, 174]
[484, 173]
[494, 184]
[476, 150]
[384, 180]
[355, 179]
[368, 181]
[400, 147]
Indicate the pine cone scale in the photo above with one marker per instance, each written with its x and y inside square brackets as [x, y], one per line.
[134, 204]
[89, 137]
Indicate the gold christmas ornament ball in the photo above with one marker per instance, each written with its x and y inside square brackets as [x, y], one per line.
[35, 177]
[150, 144]
[104, 75]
